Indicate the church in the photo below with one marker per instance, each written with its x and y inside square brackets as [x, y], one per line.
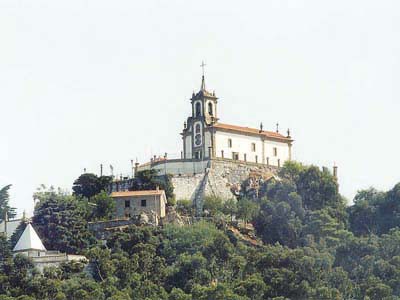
[217, 157]
[205, 138]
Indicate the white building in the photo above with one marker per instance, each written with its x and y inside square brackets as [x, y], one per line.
[205, 138]
[30, 244]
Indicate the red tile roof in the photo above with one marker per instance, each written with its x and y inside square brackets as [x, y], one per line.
[269, 134]
[136, 193]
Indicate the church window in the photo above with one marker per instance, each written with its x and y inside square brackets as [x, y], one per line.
[127, 203]
[275, 151]
[143, 203]
[198, 109]
[197, 128]
[230, 143]
[245, 157]
[235, 156]
[197, 139]
[253, 147]
[256, 158]
[210, 108]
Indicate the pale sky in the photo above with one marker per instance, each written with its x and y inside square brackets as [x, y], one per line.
[90, 82]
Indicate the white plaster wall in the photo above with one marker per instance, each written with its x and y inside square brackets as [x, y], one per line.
[188, 143]
[240, 144]
[181, 167]
[207, 142]
[283, 152]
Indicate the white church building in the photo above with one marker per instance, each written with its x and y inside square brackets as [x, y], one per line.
[204, 138]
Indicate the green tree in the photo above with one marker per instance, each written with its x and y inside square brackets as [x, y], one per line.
[88, 185]
[230, 208]
[150, 180]
[246, 209]
[5, 205]
[61, 221]
[105, 206]
[213, 205]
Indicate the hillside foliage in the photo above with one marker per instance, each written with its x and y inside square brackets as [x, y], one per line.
[311, 246]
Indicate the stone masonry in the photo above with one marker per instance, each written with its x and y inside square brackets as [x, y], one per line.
[224, 177]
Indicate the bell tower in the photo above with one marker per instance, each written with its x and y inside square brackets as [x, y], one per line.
[196, 137]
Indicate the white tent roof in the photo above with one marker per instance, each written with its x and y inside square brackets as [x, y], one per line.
[29, 240]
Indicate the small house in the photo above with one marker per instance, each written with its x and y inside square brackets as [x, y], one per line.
[133, 203]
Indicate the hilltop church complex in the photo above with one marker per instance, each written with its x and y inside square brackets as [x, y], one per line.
[217, 157]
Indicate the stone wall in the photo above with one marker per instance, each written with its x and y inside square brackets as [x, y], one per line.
[223, 176]
[185, 186]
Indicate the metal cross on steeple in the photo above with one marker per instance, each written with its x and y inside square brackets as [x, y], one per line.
[202, 66]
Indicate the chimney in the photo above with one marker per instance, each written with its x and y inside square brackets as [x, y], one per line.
[136, 168]
[335, 171]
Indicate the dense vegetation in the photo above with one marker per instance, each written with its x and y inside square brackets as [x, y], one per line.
[5, 208]
[313, 247]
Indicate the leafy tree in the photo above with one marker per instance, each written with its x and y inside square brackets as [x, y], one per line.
[105, 206]
[61, 221]
[150, 180]
[88, 185]
[5, 250]
[213, 205]
[4, 204]
[230, 208]
[246, 209]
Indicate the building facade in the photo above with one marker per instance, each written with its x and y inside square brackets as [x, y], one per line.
[204, 137]
[133, 203]
[217, 157]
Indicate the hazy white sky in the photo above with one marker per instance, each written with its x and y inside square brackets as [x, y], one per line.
[90, 82]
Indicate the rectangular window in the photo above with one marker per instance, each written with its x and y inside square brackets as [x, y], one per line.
[143, 203]
[230, 143]
[245, 157]
[256, 158]
[235, 156]
[222, 153]
[197, 155]
[279, 163]
[267, 161]
[275, 151]
[253, 147]
[127, 203]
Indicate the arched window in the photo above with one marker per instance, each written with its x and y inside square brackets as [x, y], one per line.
[197, 128]
[198, 109]
[230, 143]
[210, 108]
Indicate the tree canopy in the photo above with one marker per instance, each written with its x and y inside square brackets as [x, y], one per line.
[5, 205]
[313, 247]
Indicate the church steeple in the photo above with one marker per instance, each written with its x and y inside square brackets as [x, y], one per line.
[203, 84]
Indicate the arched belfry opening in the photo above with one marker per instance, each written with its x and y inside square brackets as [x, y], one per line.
[198, 109]
[210, 109]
